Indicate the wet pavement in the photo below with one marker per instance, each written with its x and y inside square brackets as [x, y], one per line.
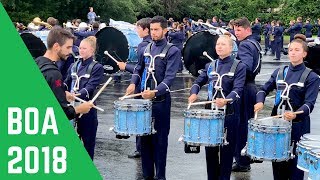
[111, 154]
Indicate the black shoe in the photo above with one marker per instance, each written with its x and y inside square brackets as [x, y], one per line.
[238, 168]
[255, 161]
[276, 59]
[135, 154]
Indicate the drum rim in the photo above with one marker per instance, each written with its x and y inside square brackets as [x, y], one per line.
[304, 144]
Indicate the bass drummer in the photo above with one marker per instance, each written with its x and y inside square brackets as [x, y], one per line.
[301, 99]
[248, 53]
[220, 167]
[232, 89]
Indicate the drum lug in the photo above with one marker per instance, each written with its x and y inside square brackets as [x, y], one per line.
[244, 151]
[316, 165]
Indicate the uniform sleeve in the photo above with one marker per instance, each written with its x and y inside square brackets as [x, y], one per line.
[93, 82]
[269, 86]
[130, 68]
[245, 54]
[68, 80]
[312, 88]
[172, 67]
[238, 83]
[200, 81]
[55, 83]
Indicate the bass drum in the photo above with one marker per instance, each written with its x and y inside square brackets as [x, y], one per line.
[312, 60]
[34, 44]
[193, 49]
[120, 43]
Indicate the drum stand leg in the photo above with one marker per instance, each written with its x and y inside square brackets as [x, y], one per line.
[244, 151]
[291, 151]
[152, 126]
[225, 142]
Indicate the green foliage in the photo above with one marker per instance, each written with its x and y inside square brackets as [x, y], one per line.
[131, 10]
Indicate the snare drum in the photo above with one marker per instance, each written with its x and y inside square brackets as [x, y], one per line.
[314, 164]
[310, 137]
[133, 117]
[303, 147]
[269, 139]
[203, 127]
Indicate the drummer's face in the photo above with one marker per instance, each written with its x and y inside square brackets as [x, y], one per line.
[223, 47]
[85, 50]
[142, 32]
[65, 50]
[296, 53]
[157, 32]
[241, 32]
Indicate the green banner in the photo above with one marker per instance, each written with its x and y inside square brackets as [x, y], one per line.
[36, 139]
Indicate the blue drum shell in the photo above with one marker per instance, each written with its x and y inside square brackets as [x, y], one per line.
[269, 139]
[303, 149]
[133, 117]
[314, 164]
[203, 127]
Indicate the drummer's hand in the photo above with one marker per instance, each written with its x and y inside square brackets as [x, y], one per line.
[258, 107]
[220, 102]
[122, 65]
[192, 98]
[147, 94]
[289, 116]
[130, 89]
[69, 96]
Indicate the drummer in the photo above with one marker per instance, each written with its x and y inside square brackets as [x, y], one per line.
[232, 89]
[154, 147]
[301, 99]
[88, 123]
[143, 30]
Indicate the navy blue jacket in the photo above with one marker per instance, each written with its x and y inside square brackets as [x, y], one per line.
[140, 50]
[278, 33]
[177, 38]
[165, 69]
[87, 85]
[301, 98]
[82, 35]
[249, 55]
[232, 86]
[308, 28]
[256, 30]
[267, 30]
[297, 28]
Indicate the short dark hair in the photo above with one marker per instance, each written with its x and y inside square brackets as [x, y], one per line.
[160, 19]
[58, 35]
[144, 23]
[243, 22]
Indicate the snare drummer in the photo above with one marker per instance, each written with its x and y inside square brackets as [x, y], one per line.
[232, 89]
[85, 86]
[301, 99]
[154, 147]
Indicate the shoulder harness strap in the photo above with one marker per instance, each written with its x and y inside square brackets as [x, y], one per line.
[304, 75]
[234, 66]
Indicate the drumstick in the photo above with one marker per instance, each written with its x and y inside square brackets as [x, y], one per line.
[107, 53]
[83, 101]
[205, 102]
[134, 95]
[180, 90]
[207, 55]
[279, 116]
[256, 115]
[102, 88]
